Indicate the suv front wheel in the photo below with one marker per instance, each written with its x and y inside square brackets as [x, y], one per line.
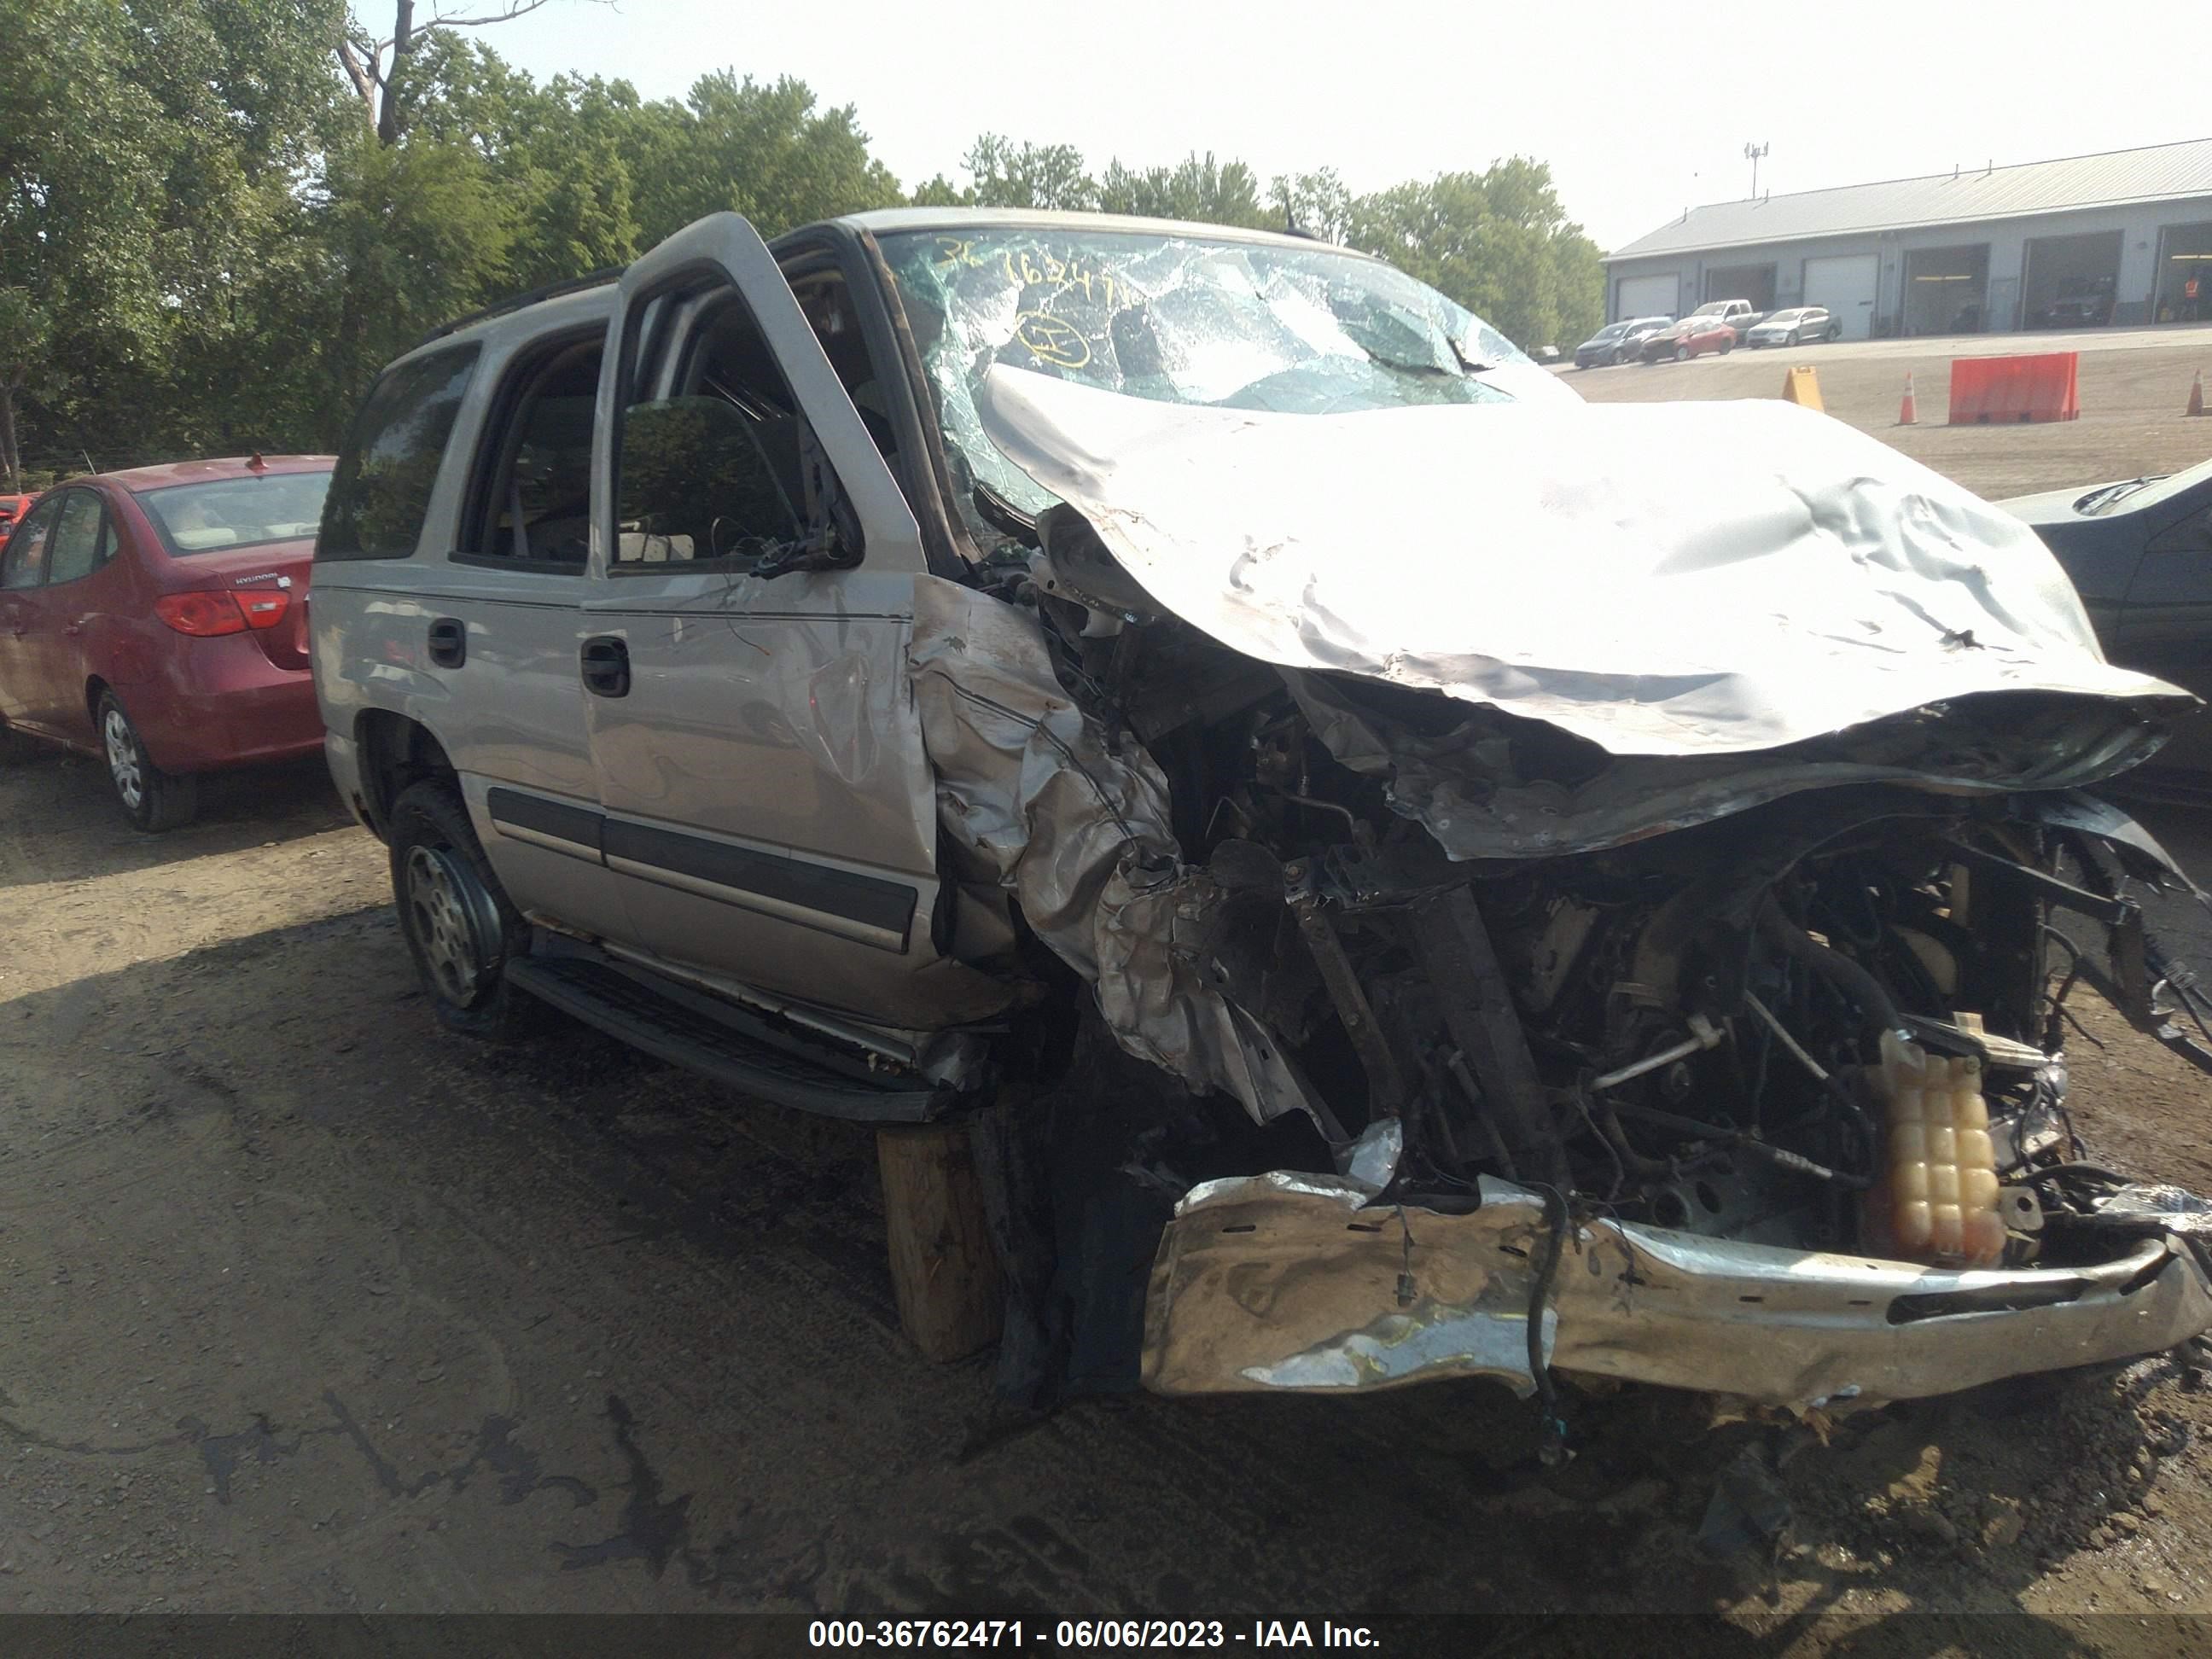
[459, 926]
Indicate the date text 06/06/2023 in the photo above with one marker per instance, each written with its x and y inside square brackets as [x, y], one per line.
[1087, 1634]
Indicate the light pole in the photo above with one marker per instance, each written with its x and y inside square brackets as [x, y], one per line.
[1751, 154]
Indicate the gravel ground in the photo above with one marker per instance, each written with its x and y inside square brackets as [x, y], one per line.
[310, 1306]
[2134, 386]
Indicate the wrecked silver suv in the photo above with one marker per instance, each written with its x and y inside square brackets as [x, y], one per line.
[1413, 875]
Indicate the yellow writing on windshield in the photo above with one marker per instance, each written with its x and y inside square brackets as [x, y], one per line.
[1052, 339]
[1035, 266]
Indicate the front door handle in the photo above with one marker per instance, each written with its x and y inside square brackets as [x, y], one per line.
[449, 642]
[606, 666]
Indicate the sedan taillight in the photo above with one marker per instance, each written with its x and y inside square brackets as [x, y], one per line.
[207, 613]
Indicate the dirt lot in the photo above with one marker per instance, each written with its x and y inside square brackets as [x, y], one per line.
[310, 1306]
[2134, 387]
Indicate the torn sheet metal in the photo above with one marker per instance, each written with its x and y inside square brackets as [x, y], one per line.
[1669, 580]
[1466, 787]
[1079, 836]
[1301, 1281]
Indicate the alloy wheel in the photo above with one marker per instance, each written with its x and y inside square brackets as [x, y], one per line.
[453, 920]
[122, 746]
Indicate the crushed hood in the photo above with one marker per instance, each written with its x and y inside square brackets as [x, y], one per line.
[1662, 579]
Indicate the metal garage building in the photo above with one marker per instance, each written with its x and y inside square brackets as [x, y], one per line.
[2124, 237]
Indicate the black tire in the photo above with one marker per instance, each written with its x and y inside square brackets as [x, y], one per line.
[154, 800]
[1726, 346]
[1683, 354]
[459, 923]
[1835, 332]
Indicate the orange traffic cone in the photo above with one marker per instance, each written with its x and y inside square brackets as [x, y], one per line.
[2196, 394]
[1908, 412]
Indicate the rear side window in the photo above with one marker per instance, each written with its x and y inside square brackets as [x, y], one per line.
[23, 564]
[381, 492]
[79, 538]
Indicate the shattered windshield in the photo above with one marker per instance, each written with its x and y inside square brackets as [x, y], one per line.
[1228, 323]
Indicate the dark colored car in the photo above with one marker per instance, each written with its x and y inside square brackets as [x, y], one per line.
[1691, 337]
[2140, 554]
[2084, 302]
[158, 618]
[1616, 342]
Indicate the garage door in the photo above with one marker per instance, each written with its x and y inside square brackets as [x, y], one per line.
[1645, 296]
[1845, 285]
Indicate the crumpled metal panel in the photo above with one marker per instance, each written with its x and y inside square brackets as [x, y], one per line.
[1301, 1281]
[1079, 836]
[1666, 580]
[1470, 796]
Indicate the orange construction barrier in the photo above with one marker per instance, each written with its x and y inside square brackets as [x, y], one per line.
[1908, 412]
[1801, 386]
[2042, 388]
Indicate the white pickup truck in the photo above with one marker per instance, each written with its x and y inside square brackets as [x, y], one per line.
[1736, 314]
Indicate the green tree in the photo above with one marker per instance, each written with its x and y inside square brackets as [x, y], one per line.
[146, 154]
[1051, 176]
[377, 54]
[759, 149]
[408, 237]
[1316, 203]
[1497, 241]
[1198, 188]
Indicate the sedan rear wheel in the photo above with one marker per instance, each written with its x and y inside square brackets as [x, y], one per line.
[154, 800]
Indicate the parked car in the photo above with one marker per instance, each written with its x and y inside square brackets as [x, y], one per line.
[1795, 327]
[915, 666]
[2139, 552]
[1616, 342]
[2081, 302]
[157, 618]
[1738, 314]
[1692, 337]
[12, 507]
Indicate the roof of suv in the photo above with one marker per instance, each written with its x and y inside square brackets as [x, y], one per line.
[884, 221]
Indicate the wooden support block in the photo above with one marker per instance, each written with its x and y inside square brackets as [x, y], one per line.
[945, 1270]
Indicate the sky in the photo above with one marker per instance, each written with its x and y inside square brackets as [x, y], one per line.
[1641, 110]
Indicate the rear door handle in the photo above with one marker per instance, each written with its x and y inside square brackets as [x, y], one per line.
[606, 666]
[449, 642]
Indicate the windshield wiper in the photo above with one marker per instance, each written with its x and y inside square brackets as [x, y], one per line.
[1473, 365]
[1004, 516]
[2110, 493]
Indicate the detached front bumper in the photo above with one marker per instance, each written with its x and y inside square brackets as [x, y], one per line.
[1291, 1281]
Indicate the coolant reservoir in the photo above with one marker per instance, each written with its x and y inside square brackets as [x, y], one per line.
[1937, 1199]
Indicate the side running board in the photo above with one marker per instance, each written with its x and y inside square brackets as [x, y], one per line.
[723, 1041]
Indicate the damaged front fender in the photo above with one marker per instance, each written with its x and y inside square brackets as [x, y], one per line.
[1303, 1282]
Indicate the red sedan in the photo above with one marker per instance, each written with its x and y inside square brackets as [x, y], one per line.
[12, 507]
[1691, 337]
[157, 618]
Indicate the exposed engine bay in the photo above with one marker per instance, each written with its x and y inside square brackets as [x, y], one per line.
[1821, 1026]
